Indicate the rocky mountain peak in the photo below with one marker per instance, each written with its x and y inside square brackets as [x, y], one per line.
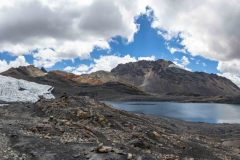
[43, 69]
[143, 64]
[165, 78]
[163, 62]
[23, 71]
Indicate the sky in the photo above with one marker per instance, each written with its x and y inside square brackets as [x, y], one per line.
[86, 36]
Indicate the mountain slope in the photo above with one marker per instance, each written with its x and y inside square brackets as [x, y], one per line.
[25, 72]
[142, 80]
[165, 78]
[71, 84]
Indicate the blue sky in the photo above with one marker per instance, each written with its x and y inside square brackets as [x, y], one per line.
[147, 42]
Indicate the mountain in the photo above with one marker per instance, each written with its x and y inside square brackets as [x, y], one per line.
[78, 127]
[165, 78]
[76, 78]
[71, 84]
[15, 90]
[25, 72]
[143, 80]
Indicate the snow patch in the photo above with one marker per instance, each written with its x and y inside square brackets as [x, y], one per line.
[15, 90]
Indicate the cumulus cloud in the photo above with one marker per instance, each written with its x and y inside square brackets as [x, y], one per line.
[105, 63]
[232, 66]
[72, 28]
[173, 50]
[235, 78]
[19, 61]
[208, 28]
[81, 69]
[45, 58]
[182, 63]
[185, 61]
[151, 58]
[230, 70]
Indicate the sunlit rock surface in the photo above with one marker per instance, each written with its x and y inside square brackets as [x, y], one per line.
[15, 90]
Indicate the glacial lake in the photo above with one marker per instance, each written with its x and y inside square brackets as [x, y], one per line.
[193, 112]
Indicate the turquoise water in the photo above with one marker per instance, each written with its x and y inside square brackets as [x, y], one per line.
[194, 112]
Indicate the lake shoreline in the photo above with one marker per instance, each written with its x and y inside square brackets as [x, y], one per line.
[214, 113]
[178, 99]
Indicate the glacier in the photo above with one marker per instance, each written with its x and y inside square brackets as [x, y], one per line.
[17, 90]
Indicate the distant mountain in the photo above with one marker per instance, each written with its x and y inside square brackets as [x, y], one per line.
[72, 84]
[25, 72]
[76, 78]
[142, 80]
[165, 78]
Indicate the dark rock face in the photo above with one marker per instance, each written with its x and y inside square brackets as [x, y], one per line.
[43, 69]
[163, 77]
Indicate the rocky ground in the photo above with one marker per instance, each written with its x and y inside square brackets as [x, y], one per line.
[80, 128]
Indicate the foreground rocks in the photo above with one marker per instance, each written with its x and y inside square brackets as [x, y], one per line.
[81, 128]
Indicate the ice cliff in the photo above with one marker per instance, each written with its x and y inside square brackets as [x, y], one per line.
[15, 90]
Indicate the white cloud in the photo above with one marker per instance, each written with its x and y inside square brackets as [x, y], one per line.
[72, 28]
[19, 61]
[182, 63]
[230, 70]
[173, 50]
[185, 61]
[45, 58]
[233, 77]
[151, 58]
[105, 63]
[208, 28]
[81, 69]
[69, 69]
[232, 66]
[204, 64]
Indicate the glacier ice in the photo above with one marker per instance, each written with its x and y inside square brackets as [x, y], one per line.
[16, 90]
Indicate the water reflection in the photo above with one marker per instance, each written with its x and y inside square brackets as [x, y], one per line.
[195, 112]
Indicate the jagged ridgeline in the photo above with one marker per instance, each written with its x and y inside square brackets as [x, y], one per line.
[138, 79]
[165, 78]
[72, 84]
